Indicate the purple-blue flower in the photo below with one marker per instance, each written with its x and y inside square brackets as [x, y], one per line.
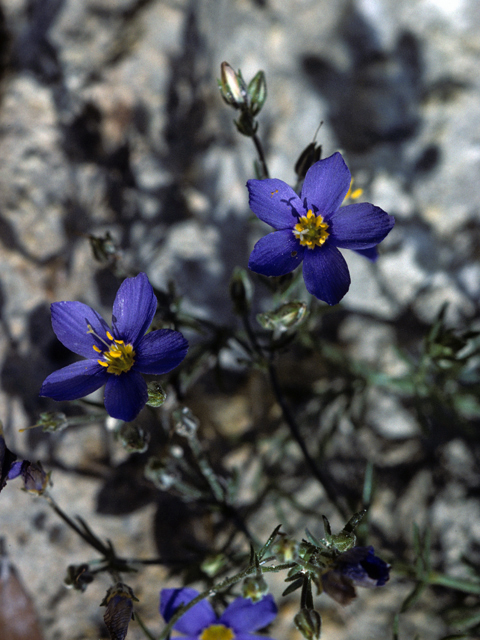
[357, 567]
[116, 358]
[313, 226]
[239, 621]
[10, 468]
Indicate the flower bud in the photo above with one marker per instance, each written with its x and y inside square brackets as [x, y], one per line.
[309, 623]
[212, 564]
[52, 421]
[119, 603]
[257, 92]
[241, 291]
[78, 577]
[288, 316]
[156, 470]
[232, 86]
[185, 423]
[156, 394]
[255, 587]
[285, 548]
[35, 479]
[311, 154]
[132, 437]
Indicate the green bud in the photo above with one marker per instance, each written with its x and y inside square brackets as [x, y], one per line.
[257, 92]
[232, 87]
[103, 247]
[156, 395]
[185, 423]
[156, 471]
[288, 316]
[212, 564]
[241, 291]
[309, 623]
[254, 587]
[132, 437]
[285, 548]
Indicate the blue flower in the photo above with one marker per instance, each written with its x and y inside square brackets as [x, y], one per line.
[357, 567]
[237, 622]
[115, 358]
[313, 227]
[10, 468]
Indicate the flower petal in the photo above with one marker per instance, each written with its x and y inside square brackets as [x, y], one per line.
[243, 615]
[125, 395]
[75, 381]
[371, 254]
[133, 310]
[359, 226]
[70, 320]
[196, 619]
[274, 202]
[276, 254]
[326, 184]
[326, 274]
[160, 351]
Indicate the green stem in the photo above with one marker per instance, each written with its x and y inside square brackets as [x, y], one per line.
[142, 626]
[219, 587]
[261, 155]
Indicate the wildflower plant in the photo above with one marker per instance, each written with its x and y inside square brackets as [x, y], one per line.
[184, 459]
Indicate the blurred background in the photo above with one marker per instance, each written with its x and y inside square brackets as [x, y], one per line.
[111, 122]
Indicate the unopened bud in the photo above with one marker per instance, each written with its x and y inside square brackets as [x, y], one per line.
[185, 423]
[156, 394]
[288, 316]
[257, 92]
[35, 479]
[311, 154]
[309, 623]
[285, 548]
[254, 587]
[241, 291]
[119, 603]
[212, 564]
[232, 86]
[78, 577]
[156, 471]
[132, 437]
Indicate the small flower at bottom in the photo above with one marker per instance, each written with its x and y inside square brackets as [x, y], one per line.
[10, 468]
[313, 226]
[115, 358]
[357, 567]
[239, 621]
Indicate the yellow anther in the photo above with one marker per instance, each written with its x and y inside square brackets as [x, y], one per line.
[109, 336]
[95, 348]
[102, 363]
[353, 195]
[119, 358]
[120, 341]
[311, 230]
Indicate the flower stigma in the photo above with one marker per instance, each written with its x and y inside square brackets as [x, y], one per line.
[120, 356]
[217, 632]
[311, 230]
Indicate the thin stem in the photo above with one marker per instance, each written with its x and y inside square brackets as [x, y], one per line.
[219, 587]
[143, 627]
[316, 471]
[261, 155]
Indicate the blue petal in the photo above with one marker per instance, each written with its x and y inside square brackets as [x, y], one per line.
[371, 254]
[243, 615]
[276, 254]
[70, 320]
[160, 351]
[196, 619]
[274, 202]
[133, 310]
[326, 184]
[125, 395]
[359, 226]
[326, 274]
[75, 381]
[16, 469]
[363, 567]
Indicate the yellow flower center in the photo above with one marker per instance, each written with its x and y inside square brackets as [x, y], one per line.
[217, 632]
[311, 230]
[119, 358]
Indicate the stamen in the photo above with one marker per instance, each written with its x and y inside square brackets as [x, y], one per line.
[118, 357]
[109, 336]
[95, 348]
[311, 230]
[102, 363]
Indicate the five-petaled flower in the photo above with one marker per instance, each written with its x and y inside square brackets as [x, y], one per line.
[116, 358]
[237, 622]
[313, 227]
[357, 567]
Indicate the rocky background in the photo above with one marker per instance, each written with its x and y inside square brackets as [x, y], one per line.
[110, 120]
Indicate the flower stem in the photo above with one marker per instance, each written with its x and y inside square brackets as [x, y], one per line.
[142, 626]
[261, 155]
